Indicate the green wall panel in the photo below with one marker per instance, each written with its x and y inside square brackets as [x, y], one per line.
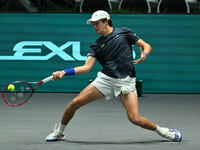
[172, 67]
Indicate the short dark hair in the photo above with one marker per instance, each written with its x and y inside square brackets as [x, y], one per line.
[109, 22]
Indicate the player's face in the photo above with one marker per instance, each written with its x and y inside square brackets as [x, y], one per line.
[100, 27]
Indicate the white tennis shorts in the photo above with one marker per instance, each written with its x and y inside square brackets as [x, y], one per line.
[112, 87]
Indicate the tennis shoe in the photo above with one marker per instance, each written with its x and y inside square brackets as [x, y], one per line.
[171, 134]
[56, 135]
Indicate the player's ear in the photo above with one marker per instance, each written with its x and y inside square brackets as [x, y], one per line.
[104, 21]
[107, 21]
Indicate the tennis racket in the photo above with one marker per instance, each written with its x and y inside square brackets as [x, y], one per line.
[21, 92]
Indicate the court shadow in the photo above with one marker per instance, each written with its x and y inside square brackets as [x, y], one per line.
[115, 142]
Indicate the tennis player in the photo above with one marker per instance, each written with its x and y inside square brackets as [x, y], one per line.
[113, 50]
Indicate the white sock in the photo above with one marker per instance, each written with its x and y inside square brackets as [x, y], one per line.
[61, 128]
[161, 130]
[158, 129]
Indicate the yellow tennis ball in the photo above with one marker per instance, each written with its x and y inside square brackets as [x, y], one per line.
[124, 90]
[11, 87]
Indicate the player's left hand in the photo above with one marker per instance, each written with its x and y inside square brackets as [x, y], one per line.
[142, 57]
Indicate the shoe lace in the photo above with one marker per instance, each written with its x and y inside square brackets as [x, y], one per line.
[168, 134]
[56, 131]
[55, 127]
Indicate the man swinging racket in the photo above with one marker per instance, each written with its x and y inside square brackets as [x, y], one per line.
[113, 50]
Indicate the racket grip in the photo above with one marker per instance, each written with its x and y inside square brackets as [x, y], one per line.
[47, 79]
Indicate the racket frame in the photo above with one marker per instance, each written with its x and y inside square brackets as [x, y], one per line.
[38, 83]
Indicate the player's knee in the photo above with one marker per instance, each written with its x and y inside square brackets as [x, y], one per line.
[74, 104]
[135, 119]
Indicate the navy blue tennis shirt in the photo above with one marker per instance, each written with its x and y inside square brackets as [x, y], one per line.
[114, 52]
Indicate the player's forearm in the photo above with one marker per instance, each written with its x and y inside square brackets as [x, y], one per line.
[76, 70]
[82, 69]
[147, 48]
[89, 63]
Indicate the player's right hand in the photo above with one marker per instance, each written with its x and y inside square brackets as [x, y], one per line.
[58, 75]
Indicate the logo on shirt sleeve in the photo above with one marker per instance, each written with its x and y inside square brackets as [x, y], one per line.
[102, 45]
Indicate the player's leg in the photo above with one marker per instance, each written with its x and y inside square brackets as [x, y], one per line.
[89, 94]
[130, 103]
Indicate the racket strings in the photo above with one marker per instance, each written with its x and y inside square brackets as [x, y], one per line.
[21, 93]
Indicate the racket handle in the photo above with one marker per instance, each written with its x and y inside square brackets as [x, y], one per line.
[47, 79]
